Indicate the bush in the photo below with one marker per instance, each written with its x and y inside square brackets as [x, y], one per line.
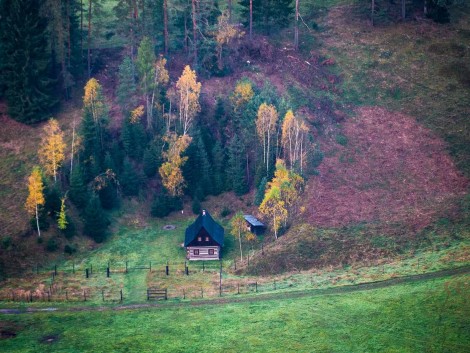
[196, 206]
[164, 204]
[225, 212]
[70, 249]
[70, 231]
[52, 245]
[341, 139]
[6, 243]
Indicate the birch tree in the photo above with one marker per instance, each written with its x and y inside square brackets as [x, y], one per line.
[51, 151]
[188, 91]
[294, 132]
[238, 224]
[266, 128]
[170, 171]
[35, 196]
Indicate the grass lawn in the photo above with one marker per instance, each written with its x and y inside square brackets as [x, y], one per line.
[429, 316]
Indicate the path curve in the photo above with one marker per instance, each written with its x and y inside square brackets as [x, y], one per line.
[257, 298]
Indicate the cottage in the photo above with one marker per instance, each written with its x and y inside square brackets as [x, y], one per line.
[204, 238]
[253, 225]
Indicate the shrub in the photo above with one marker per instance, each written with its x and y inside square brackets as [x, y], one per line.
[52, 244]
[225, 212]
[70, 249]
[341, 139]
[5, 243]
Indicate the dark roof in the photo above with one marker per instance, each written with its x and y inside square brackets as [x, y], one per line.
[215, 230]
[253, 221]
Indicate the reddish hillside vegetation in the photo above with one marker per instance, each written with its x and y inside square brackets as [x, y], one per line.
[390, 169]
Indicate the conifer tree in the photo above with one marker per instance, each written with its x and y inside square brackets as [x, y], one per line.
[151, 160]
[129, 179]
[236, 166]
[127, 87]
[218, 164]
[78, 190]
[260, 191]
[108, 193]
[25, 60]
[95, 220]
[62, 217]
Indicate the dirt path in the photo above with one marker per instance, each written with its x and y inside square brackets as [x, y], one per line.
[259, 298]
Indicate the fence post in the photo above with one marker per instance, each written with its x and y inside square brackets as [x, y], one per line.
[238, 288]
[121, 294]
[150, 266]
[66, 295]
[55, 270]
[186, 270]
[248, 257]
[49, 296]
[167, 270]
[256, 287]
[102, 294]
[274, 285]
[203, 267]
[107, 271]
[86, 273]
[126, 266]
[73, 267]
[235, 264]
[31, 296]
[184, 294]
[166, 294]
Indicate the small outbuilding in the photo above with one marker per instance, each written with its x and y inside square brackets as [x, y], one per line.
[204, 239]
[254, 225]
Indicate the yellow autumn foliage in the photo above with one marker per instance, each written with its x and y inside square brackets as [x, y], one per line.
[52, 148]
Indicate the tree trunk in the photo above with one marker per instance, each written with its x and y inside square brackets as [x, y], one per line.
[372, 12]
[37, 220]
[73, 146]
[194, 32]
[251, 19]
[403, 9]
[240, 241]
[165, 26]
[89, 39]
[296, 33]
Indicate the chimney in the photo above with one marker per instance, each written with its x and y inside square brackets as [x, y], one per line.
[203, 212]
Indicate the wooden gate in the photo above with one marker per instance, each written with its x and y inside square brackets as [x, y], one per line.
[157, 293]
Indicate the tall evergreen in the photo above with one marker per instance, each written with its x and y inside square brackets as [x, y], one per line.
[127, 86]
[151, 160]
[268, 13]
[218, 165]
[26, 61]
[236, 166]
[78, 190]
[108, 193]
[129, 179]
[95, 220]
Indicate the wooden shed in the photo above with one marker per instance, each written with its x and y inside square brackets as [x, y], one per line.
[254, 225]
[204, 238]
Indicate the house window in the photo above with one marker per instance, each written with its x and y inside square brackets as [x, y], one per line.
[207, 238]
[196, 251]
[199, 238]
[211, 251]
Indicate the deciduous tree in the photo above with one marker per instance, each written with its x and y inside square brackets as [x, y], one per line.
[51, 151]
[35, 196]
[170, 171]
[266, 128]
[238, 224]
[188, 98]
[226, 32]
[62, 217]
[294, 132]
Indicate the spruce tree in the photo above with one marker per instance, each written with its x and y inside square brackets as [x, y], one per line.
[267, 13]
[218, 164]
[236, 166]
[95, 220]
[127, 86]
[26, 61]
[108, 194]
[78, 191]
[151, 160]
[129, 179]
[259, 196]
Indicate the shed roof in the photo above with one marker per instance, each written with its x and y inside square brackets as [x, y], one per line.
[204, 220]
[253, 220]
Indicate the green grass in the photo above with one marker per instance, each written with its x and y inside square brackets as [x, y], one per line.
[430, 316]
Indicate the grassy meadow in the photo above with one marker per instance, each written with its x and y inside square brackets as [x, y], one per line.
[429, 316]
